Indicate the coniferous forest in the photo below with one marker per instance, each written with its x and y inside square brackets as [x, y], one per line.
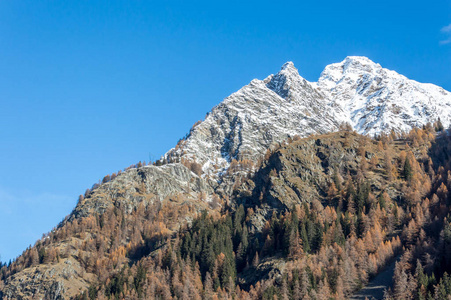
[316, 218]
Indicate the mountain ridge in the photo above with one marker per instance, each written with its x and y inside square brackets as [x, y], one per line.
[357, 91]
[135, 214]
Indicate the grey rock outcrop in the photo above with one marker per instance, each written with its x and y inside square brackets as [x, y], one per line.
[144, 186]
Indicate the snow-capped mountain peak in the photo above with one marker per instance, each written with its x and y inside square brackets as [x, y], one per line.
[374, 99]
[289, 65]
[351, 65]
[359, 62]
[356, 90]
[286, 81]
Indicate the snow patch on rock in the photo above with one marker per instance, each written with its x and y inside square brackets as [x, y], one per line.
[266, 112]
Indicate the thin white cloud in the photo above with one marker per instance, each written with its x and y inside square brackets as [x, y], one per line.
[447, 31]
[447, 28]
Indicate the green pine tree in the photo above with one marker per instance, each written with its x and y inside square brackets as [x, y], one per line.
[408, 173]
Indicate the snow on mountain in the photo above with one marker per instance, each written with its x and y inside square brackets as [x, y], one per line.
[374, 99]
[358, 91]
[247, 122]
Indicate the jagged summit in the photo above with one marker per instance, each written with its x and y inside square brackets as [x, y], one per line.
[287, 82]
[288, 65]
[266, 112]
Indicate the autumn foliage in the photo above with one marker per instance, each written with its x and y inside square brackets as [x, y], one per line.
[326, 248]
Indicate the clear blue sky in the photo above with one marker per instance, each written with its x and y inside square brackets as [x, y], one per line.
[90, 87]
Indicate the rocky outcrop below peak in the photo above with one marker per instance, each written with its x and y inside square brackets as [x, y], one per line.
[144, 186]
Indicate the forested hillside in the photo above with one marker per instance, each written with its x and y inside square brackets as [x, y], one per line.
[316, 219]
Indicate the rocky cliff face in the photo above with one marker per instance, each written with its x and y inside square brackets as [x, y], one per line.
[56, 282]
[144, 186]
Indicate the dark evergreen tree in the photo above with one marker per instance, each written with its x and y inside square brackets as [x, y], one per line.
[407, 172]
